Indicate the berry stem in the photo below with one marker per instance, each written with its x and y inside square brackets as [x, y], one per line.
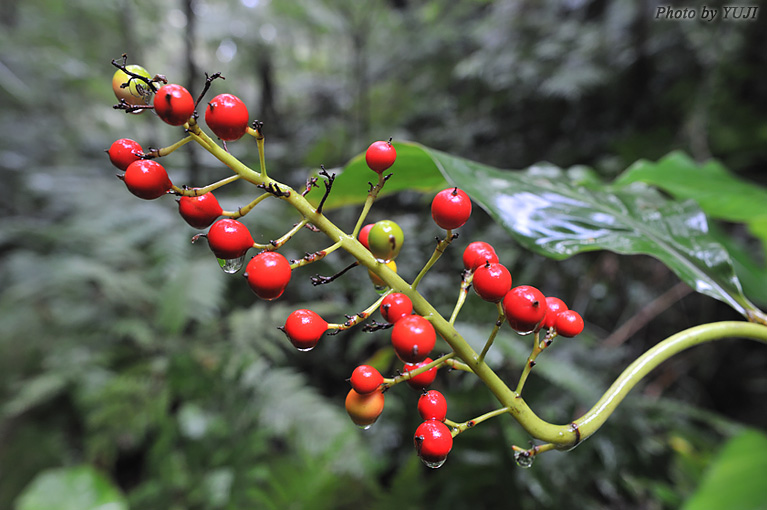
[356, 319]
[442, 244]
[196, 192]
[491, 338]
[273, 245]
[164, 151]
[537, 349]
[372, 194]
[439, 362]
[457, 428]
[242, 211]
[314, 257]
[467, 278]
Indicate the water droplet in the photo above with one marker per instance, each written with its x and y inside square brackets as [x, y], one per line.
[524, 459]
[365, 427]
[434, 464]
[231, 266]
[304, 349]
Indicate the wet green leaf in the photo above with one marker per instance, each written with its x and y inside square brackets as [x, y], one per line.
[559, 213]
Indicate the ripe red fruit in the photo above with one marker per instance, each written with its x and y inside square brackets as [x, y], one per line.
[413, 338]
[364, 409]
[363, 235]
[227, 116]
[424, 379]
[554, 305]
[123, 152]
[492, 281]
[366, 379]
[199, 212]
[268, 274]
[451, 208]
[395, 306]
[304, 329]
[433, 441]
[147, 179]
[229, 239]
[525, 308]
[477, 254]
[432, 406]
[380, 156]
[173, 104]
[568, 323]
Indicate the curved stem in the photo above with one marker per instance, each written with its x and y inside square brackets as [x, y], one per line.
[561, 436]
[567, 436]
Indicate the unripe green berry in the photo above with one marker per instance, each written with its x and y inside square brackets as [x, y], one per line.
[385, 240]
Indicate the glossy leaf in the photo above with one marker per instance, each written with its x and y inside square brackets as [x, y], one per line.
[559, 213]
[720, 193]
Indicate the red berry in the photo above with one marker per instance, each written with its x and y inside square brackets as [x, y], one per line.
[304, 329]
[525, 308]
[380, 156]
[433, 441]
[492, 281]
[268, 274]
[199, 212]
[366, 379]
[147, 179]
[229, 239]
[227, 116]
[364, 409]
[477, 254]
[123, 152]
[424, 379]
[173, 104]
[451, 208]
[554, 305]
[363, 235]
[568, 323]
[413, 338]
[432, 406]
[396, 306]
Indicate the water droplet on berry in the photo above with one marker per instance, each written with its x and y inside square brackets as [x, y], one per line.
[365, 427]
[304, 349]
[524, 459]
[434, 464]
[231, 266]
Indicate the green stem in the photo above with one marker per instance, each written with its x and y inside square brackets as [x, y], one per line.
[438, 251]
[567, 436]
[561, 436]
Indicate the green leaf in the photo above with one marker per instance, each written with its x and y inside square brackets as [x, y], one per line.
[71, 488]
[736, 478]
[557, 213]
[413, 171]
[721, 194]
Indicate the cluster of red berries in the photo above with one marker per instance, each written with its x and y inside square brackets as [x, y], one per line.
[268, 273]
[433, 439]
[526, 308]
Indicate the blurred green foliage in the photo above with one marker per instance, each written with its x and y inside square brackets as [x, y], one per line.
[124, 348]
